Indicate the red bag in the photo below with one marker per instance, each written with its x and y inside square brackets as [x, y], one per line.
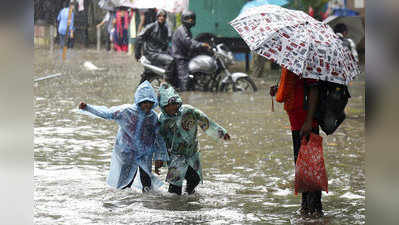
[310, 172]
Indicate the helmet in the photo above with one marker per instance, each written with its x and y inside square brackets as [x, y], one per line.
[186, 15]
[161, 12]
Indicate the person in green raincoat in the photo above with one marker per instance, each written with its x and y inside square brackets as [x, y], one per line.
[178, 127]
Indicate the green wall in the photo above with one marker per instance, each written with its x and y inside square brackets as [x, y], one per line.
[213, 16]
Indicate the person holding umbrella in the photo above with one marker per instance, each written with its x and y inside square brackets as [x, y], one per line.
[302, 121]
[310, 53]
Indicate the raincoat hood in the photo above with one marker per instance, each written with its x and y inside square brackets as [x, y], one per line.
[167, 95]
[145, 92]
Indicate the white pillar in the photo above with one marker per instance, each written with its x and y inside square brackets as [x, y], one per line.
[98, 39]
[51, 37]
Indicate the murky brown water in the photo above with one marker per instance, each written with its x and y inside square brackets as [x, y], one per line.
[248, 180]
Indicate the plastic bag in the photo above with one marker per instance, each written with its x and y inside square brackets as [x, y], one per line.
[310, 171]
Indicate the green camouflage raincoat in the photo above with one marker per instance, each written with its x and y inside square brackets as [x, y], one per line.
[180, 134]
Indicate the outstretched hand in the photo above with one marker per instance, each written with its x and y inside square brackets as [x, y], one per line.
[158, 164]
[82, 105]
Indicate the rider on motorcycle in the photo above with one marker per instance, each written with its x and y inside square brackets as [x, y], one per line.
[182, 47]
[155, 38]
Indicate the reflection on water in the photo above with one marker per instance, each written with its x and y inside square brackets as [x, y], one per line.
[248, 180]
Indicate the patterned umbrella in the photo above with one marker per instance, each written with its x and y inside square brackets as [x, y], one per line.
[298, 42]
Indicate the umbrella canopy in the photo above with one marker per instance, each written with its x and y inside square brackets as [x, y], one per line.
[256, 3]
[298, 42]
[353, 23]
[174, 6]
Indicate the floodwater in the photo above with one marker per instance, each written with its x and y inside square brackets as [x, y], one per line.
[248, 180]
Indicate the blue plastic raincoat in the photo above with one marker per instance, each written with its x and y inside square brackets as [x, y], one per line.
[62, 18]
[137, 141]
[180, 134]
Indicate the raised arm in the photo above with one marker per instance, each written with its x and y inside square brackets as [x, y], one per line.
[210, 127]
[189, 43]
[101, 111]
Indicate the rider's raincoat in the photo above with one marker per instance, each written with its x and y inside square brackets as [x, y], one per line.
[137, 141]
[180, 134]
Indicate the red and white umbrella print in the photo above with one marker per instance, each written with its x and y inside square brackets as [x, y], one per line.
[295, 40]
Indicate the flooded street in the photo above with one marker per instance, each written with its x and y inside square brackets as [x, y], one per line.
[248, 180]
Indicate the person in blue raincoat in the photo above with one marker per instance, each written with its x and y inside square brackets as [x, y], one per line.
[137, 141]
[66, 36]
[179, 126]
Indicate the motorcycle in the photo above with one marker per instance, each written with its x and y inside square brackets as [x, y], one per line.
[154, 74]
[205, 72]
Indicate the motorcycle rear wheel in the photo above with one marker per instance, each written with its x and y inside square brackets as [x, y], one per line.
[242, 85]
[201, 82]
